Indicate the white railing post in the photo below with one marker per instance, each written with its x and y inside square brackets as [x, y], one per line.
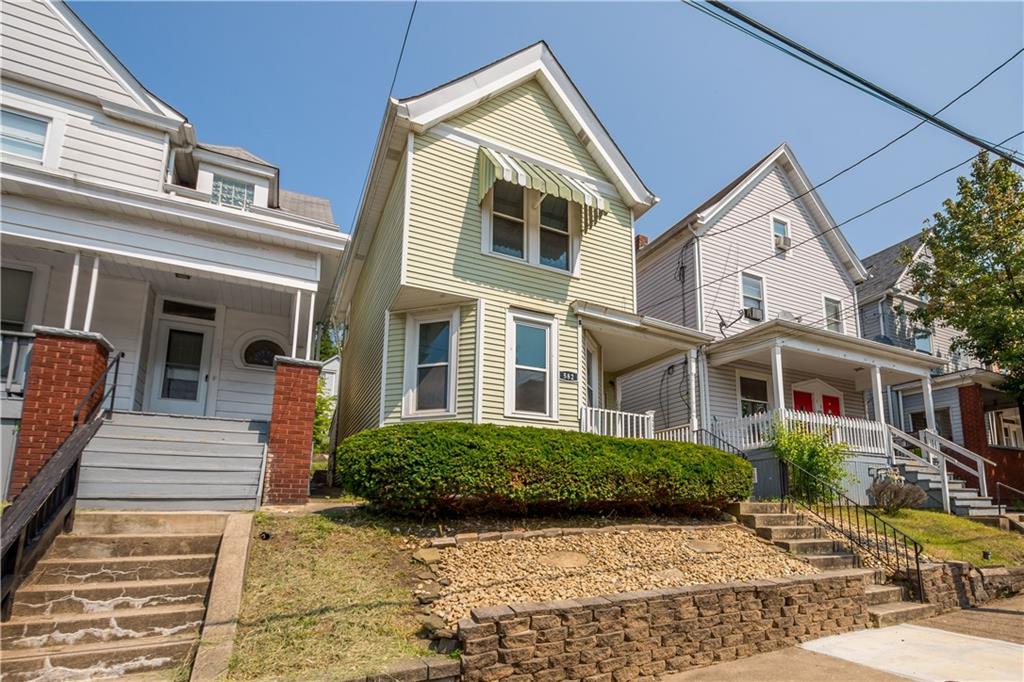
[982, 484]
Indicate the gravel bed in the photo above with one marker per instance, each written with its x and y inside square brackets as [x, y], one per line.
[552, 568]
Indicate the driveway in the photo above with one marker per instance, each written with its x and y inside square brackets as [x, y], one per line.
[973, 645]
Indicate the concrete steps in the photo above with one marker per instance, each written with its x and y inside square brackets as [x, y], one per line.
[793, 532]
[963, 501]
[125, 593]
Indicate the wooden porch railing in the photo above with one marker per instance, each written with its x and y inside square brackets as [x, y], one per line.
[614, 423]
[754, 431]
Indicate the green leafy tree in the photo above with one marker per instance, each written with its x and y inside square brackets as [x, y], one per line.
[322, 418]
[330, 338]
[974, 278]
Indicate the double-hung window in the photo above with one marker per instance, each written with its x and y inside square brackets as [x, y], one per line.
[834, 315]
[508, 222]
[923, 341]
[531, 366]
[22, 135]
[753, 297]
[430, 364]
[753, 396]
[780, 228]
[232, 193]
[554, 233]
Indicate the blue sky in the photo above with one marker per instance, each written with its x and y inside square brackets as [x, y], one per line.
[691, 102]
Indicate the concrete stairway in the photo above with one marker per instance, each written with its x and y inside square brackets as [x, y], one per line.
[124, 593]
[167, 462]
[963, 501]
[797, 534]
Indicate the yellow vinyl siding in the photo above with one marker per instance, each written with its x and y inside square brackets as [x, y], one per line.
[376, 288]
[526, 118]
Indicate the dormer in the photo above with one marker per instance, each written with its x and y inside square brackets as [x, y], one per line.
[227, 176]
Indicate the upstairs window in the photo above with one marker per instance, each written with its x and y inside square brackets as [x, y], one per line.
[923, 341]
[22, 135]
[232, 193]
[834, 315]
[753, 297]
[554, 233]
[508, 226]
[780, 228]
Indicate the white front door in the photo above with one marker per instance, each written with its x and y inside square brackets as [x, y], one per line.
[182, 373]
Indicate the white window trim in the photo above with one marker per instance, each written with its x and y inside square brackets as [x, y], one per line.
[549, 321]
[531, 213]
[772, 217]
[842, 313]
[56, 121]
[818, 388]
[238, 350]
[764, 295]
[412, 334]
[597, 353]
[760, 376]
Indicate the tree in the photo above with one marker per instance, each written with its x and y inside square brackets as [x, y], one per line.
[329, 339]
[973, 279]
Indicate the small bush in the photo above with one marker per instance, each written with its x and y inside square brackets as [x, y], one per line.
[324, 410]
[814, 453]
[892, 494]
[448, 467]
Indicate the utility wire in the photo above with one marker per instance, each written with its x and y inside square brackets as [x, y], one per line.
[837, 225]
[865, 83]
[401, 52]
[869, 156]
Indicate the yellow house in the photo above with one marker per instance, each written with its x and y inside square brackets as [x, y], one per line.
[491, 273]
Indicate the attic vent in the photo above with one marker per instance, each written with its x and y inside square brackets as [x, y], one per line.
[582, 136]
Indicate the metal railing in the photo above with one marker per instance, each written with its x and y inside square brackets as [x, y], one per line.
[862, 527]
[14, 360]
[999, 496]
[614, 423]
[754, 431]
[46, 506]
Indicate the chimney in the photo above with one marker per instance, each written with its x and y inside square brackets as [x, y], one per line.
[641, 241]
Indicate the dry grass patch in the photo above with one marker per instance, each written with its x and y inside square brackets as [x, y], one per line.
[325, 599]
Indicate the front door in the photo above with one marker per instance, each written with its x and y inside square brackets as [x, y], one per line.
[830, 404]
[182, 372]
[803, 401]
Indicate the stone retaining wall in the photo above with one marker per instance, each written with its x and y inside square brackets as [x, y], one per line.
[639, 635]
[957, 584]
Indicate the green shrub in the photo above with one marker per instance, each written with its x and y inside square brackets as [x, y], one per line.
[819, 461]
[324, 410]
[449, 467]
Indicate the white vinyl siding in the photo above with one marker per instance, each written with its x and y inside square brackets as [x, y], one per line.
[655, 388]
[788, 274]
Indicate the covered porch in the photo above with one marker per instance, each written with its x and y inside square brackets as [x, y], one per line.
[615, 343]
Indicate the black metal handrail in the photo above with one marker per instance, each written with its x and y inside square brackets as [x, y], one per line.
[853, 521]
[46, 506]
[705, 437]
[111, 392]
[999, 497]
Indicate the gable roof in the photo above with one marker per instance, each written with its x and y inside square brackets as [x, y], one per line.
[87, 65]
[884, 268]
[235, 152]
[701, 219]
[420, 112]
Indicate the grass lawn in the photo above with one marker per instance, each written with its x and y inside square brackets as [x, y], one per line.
[325, 599]
[945, 536]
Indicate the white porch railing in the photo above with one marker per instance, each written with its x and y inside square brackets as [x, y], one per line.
[14, 359]
[615, 423]
[682, 434]
[754, 431]
[931, 446]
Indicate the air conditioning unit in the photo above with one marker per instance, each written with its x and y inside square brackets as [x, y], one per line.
[755, 314]
[783, 242]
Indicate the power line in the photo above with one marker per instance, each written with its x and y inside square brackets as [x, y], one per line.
[876, 89]
[837, 225]
[871, 155]
[401, 52]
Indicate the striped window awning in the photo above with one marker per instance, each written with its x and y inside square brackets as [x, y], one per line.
[495, 165]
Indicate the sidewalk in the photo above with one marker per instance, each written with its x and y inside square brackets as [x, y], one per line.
[980, 645]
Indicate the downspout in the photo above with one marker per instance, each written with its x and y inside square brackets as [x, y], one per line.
[699, 278]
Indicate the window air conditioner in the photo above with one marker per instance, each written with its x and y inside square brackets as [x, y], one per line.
[753, 314]
[783, 242]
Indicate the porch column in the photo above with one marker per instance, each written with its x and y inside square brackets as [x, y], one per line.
[309, 330]
[290, 442]
[91, 301]
[691, 387]
[296, 312]
[65, 364]
[876, 393]
[69, 312]
[780, 394]
[929, 405]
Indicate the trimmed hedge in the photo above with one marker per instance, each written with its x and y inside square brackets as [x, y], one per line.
[450, 467]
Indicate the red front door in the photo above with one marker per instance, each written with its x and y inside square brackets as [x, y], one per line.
[830, 405]
[803, 401]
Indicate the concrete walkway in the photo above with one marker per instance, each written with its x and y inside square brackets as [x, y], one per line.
[972, 645]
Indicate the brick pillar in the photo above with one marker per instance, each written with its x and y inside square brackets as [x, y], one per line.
[290, 449]
[972, 416]
[64, 366]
